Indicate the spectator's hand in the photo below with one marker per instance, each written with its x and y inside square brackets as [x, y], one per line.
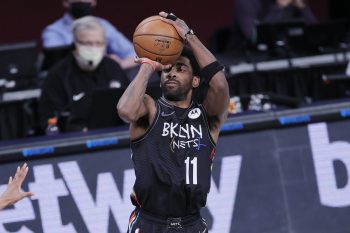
[284, 3]
[155, 65]
[299, 3]
[13, 192]
[179, 24]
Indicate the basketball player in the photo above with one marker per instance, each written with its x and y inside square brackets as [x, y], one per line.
[173, 138]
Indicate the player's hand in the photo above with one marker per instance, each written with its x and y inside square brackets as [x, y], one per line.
[156, 66]
[13, 192]
[180, 25]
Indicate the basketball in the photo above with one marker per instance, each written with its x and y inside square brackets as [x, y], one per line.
[157, 40]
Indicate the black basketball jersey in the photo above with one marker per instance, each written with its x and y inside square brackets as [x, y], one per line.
[173, 162]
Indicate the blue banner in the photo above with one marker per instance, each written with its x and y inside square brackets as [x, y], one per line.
[290, 180]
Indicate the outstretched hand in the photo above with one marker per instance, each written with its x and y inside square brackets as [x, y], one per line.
[13, 192]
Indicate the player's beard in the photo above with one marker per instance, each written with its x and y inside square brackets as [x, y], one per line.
[178, 93]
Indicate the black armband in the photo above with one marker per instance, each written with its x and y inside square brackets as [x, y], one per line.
[210, 70]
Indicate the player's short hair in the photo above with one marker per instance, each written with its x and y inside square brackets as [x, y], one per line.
[187, 52]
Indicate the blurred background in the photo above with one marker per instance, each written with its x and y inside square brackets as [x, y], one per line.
[205, 18]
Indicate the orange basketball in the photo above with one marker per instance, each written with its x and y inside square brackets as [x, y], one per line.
[157, 40]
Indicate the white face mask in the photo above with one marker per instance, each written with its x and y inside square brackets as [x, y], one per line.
[89, 57]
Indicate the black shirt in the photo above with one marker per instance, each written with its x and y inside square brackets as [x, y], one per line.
[68, 89]
[173, 162]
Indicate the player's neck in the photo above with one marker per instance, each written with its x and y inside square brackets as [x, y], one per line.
[180, 104]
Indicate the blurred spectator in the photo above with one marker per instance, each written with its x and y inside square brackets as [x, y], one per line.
[59, 33]
[70, 83]
[249, 12]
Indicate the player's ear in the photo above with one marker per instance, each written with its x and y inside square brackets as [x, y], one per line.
[195, 81]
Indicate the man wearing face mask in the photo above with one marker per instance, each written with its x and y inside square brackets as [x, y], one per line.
[70, 82]
[59, 33]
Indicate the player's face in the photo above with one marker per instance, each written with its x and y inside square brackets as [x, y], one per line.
[177, 82]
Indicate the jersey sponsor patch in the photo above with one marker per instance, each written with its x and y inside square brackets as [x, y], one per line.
[194, 113]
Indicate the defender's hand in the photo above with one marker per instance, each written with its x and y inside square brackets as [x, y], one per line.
[13, 192]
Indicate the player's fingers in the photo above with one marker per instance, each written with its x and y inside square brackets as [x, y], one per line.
[171, 16]
[10, 180]
[141, 60]
[168, 16]
[165, 67]
[18, 171]
[163, 14]
[179, 24]
[23, 169]
[26, 194]
[165, 17]
[22, 173]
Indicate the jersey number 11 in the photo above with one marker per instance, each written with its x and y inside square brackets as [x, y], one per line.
[194, 170]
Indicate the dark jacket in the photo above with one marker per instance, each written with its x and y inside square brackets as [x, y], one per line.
[68, 89]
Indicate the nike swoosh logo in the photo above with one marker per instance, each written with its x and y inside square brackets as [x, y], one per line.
[167, 114]
[78, 96]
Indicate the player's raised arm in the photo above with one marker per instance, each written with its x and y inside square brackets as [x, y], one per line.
[134, 103]
[217, 98]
